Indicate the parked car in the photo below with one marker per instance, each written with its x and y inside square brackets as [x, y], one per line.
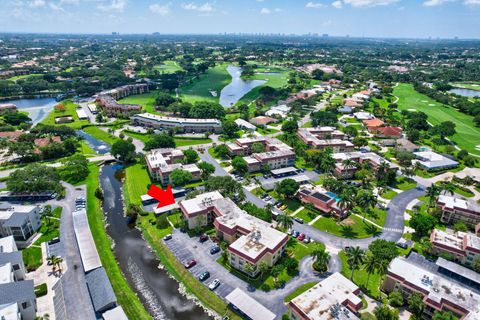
[301, 237]
[54, 240]
[203, 238]
[214, 249]
[289, 232]
[214, 284]
[283, 207]
[167, 237]
[299, 220]
[204, 276]
[190, 263]
[296, 234]
[307, 240]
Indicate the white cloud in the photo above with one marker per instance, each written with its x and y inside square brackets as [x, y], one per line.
[337, 4]
[314, 5]
[162, 10]
[113, 6]
[369, 3]
[265, 11]
[207, 7]
[278, 10]
[37, 4]
[472, 2]
[433, 3]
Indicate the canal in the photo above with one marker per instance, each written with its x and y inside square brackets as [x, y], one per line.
[237, 88]
[158, 292]
[37, 108]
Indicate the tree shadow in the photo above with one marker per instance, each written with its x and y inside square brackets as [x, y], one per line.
[348, 232]
[371, 229]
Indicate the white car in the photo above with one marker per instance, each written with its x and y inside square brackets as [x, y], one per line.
[214, 284]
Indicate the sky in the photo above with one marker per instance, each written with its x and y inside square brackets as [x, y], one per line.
[356, 18]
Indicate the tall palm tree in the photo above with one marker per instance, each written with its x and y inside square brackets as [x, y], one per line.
[263, 267]
[348, 164]
[433, 192]
[355, 257]
[285, 221]
[367, 200]
[322, 258]
[58, 263]
[347, 199]
[408, 172]
[370, 265]
[268, 209]
[382, 269]
[248, 269]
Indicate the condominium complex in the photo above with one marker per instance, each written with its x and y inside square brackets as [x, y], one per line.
[22, 222]
[277, 153]
[125, 91]
[440, 292]
[325, 137]
[455, 209]
[324, 201]
[113, 108]
[463, 247]
[251, 240]
[342, 170]
[17, 296]
[336, 297]
[162, 162]
[187, 125]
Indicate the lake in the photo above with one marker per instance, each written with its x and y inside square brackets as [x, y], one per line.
[465, 92]
[237, 88]
[37, 108]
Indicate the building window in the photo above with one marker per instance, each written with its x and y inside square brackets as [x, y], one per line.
[25, 305]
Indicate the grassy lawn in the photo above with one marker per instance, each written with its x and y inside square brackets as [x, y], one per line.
[360, 277]
[70, 110]
[352, 227]
[298, 291]
[32, 257]
[267, 131]
[168, 66]
[404, 183]
[147, 100]
[292, 204]
[306, 215]
[199, 89]
[467, 85]
[25, 76]
[182, 142]
[307, 124]
[136, 182]
[467, 136]
[125, 295]
[388, 194]
[99, 134]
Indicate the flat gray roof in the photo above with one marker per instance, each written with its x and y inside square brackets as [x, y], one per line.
[86, 245]
[18, 291]
[283, 170]
[100, 289]
[249, 306]
[458, 269]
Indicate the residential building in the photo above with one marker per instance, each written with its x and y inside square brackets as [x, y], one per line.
[251, 308]
[17, 296]
[353, 103]
[11, 135]
[335, 297]
[281, 111]
[430, 160]
[324, 201]
[406, 145]
[386, 132]
[363, 115]
[7, 107]
[439, 291]
[262, 120]
[187, 125]
[347, 171]
[373, 124]
[325, 137]
[161, 163]
[463, 247]
[22, 222]
[454, 209]
[245, 125]
[251, 240]
[113, 108]
[127, 90]
[274, 159]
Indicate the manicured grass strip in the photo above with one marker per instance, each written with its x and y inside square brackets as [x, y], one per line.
[147, 100]
[70, 110]
[298, 291]
[404, 183]
[199, 89]
[168, 67]
[182, 142]
[388, 194]
[136, 182]
[101, 135]
[32, 258]
[125, 295]
[352, 227]
[360, 277]
[467, 136]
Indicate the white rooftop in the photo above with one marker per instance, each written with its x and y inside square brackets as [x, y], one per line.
[7, 244]
[9, 311]
[158, 158]
[320, 302]
[249, 306]
[452, 202]
[200, 202]
[86, 244]
[155, 117]
[6, 273]
[245, 124]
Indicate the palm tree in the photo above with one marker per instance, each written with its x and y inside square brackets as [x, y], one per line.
[58, 262]
[268, 209]
[367, 200]
[355, 257]
[382, 269]
[248, 269]
[370, 265]
[347, 199]
[285, 221]
[348, 164]
[263, 267]
[432, 193]
[322, 258]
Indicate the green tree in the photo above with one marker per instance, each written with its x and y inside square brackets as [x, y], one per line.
[290, 126]
[287, 187]
[460, 226]
[257, 147]
[190, 156]
[395, 299]
[180, 177]
[476, 264]
[355, 258]
[416, 305]
[230, 128]
[207, 169]
[248, 268]
[443, 315]
[285, 221]
[321, 259]
[384, 312]
[16, 118]
[34, 178]
[160, 141]
[163, 100]
[221, 151]
[124, 151]
[240, 165]
[263, 268]
[422, 223]
[227, 186]
[384, 250]
[445, 129]
[370, 266]
[75, 169]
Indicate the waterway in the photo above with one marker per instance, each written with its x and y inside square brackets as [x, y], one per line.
[99, 146]
[237, 88]
[37, 108]
[157, 291]
[465, 92]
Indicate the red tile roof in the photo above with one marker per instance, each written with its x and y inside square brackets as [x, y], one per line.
[389, 131]
[373, 123]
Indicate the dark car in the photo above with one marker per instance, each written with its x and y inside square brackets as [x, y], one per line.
[190, 263]
[54, 240]
[214, 249]
[299, 220]
[167, 237]
[204, 276]
[203, 238]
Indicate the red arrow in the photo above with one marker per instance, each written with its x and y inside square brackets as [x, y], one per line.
[164, 197]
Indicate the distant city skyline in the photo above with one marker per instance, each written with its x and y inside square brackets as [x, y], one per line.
[357, 18]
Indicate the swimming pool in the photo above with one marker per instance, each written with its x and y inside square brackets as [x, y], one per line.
[333, 195]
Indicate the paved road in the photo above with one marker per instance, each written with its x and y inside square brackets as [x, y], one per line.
[72, 284]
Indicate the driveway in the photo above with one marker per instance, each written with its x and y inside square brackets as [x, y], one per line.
[183, 247]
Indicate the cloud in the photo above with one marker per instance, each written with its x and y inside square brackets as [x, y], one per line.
[207, 7]
[265, 11]
[472, 2]
[314, 5]
[337, 4]
[369, 3]
[159, 9]
[37, 4]
[113, 6]
[434, 3]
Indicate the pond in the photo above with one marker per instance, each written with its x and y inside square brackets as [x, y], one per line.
[37, 108]
[99, 146]
[157, 291]
[465, 92]
[237, 88]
